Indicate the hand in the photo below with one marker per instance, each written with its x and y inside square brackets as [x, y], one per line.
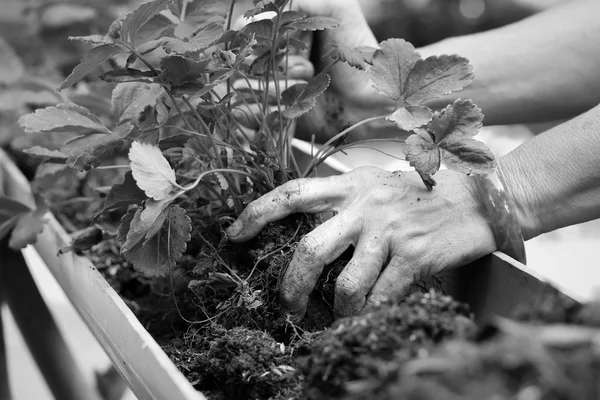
[400, 232]
[351, 96]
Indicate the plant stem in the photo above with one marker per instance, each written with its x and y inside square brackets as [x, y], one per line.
[228, 28]
[322, 154]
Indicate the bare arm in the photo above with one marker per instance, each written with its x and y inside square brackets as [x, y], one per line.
[543, 68]
[555, 177]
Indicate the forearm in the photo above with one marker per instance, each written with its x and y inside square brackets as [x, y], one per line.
[543, 68]
[554, 178]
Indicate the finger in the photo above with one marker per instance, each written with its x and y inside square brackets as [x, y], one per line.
[251, 115]
[254, 84]
[317, 249]
[298, 67]
[394, 281]
[309, 195]
[359, 276]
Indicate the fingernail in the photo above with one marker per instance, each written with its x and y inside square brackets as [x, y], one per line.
[235, 229]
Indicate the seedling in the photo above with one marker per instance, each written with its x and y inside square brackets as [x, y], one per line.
[174, 110]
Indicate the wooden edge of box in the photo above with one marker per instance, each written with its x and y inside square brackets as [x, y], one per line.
[136, 355]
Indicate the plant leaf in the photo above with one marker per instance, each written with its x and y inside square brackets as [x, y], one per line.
[290, 16]
[129, 99]
[306, 99]
[39, 151]
[133, 21]
[124, 75]
[157, 254]
[198, 13]
[11, 67]
[22, 222]
[28, 227]
[448, 139]
[424, 156]
[313, 24]
[411, 117]
[89, 151]
[201, 40]
[357, 57]
[151, 170]
[90, 61]
[436, 76]
[264, 6]
[64, 117]
[391, 65]
[123, 194]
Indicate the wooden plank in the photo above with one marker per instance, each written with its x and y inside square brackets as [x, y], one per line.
[38, 327]
[497, 284]
[140, 360]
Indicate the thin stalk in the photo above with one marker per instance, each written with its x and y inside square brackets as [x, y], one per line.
[229, 18]
[322, 153]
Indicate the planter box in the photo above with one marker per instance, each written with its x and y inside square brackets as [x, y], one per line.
[493, 285]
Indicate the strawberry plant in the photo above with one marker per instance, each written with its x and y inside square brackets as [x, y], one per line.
[182, 165]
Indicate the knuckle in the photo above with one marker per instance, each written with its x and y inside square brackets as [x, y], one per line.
[290, 295]
[348, 287]
[307, 251]
[291, 193]
[380, 195]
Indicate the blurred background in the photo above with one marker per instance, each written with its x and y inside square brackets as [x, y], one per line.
[34, 49]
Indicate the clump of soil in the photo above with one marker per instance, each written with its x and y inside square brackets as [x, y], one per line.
[357, 354]
[237, 363]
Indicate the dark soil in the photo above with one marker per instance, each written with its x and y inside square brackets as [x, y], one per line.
[226, 333]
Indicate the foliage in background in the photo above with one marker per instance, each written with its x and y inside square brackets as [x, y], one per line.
[184, 76]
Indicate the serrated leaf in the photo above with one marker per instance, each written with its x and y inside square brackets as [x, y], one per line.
[157, 27]
[133, 21]
[391, 65]
[96, 40]
[436, 76]
[22, 222]
[357, 57]
[64, 117]
[265, 6]
[313, 24]
[178, 70]
[198, 13]
[448, 139]
[411, 117]
[125, 75]
[201, 40]
[307, 98]
[11, 67]
[39, 151]
[88, 152]
[28, 227]
[159, 252]
[151, 170]
[90, 61]
[124, 194]
[129, 99]
[290, 16]
[261, 30]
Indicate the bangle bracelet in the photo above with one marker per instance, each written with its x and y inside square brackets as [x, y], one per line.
[506, 228]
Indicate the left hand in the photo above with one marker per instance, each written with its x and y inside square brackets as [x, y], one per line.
[399, 230]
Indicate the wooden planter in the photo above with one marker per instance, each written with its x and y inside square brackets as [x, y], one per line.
[493, 285]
